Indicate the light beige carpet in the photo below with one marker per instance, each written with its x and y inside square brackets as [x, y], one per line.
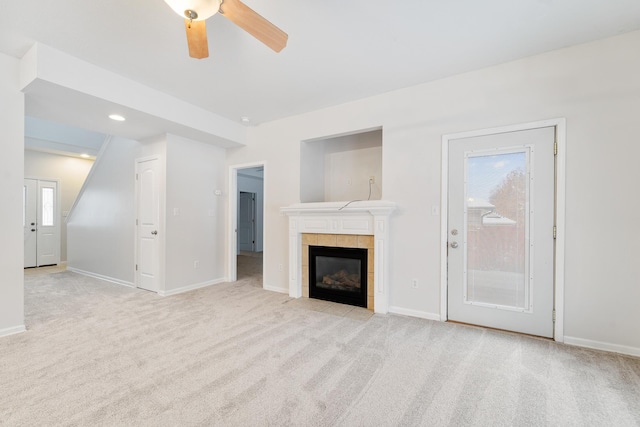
[249, 268]
[233, 354]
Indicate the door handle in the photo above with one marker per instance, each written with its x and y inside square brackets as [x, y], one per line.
[154, 232]
[454, 245]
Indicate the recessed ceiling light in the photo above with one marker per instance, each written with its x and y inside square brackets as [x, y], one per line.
[85, 155]
[117, 117]
[245, 119]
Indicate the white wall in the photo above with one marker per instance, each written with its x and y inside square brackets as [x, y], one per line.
[594, 86]
[312, 171]
[102, 226]
[255, 184]
[349, 163]
[195, 215]
[338, 168]
[100, 230]
[11, 183]
[71, 173]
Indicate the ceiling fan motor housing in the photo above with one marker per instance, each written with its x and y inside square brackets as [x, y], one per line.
[196, 10]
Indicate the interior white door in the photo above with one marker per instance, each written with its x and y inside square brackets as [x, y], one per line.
[29, 222]
[148, 224]
[501, 218]
[48, 223]
[246, 221]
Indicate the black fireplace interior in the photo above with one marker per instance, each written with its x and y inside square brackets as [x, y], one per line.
[338, 274]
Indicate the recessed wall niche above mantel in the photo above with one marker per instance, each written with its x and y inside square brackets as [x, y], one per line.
[342, 168]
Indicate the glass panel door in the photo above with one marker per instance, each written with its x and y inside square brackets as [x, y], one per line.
[500, 219]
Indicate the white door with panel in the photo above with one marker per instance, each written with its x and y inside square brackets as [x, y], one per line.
[246, 221]
[148, 175]
[41, 222]
[501, 218]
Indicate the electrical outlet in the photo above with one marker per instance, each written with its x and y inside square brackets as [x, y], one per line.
[372, 179]
[414, 283]
[280, 267]
[196, 264]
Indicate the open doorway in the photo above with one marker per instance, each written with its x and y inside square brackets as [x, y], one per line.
[58, 159]
[247, 212]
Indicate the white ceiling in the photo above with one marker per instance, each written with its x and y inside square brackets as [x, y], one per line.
[338, 51]
[56, 138]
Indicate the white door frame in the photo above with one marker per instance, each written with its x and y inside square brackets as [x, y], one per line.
[232, 229]
[560, 125]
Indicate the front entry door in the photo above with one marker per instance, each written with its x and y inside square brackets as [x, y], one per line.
[500, 231]
[41, 222]
[148, 224]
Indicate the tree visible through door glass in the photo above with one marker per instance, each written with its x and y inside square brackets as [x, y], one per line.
[497, 195]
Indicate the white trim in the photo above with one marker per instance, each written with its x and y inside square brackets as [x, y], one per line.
[444, 230]
[414, 313]
[561, 138]
[605, 346]
[191, 287]
[101, 277]
[561, 197]
[232, 220]
[275, 289]
[12, 330]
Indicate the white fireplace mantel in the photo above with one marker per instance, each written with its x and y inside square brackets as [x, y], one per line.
[370, 217]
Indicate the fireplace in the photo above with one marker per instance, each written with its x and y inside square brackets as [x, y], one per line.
[361, 224]
[338, 274]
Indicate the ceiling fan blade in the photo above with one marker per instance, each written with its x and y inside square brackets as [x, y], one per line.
[197, 38]
[250, 21]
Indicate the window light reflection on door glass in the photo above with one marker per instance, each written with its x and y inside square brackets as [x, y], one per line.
[47, 206]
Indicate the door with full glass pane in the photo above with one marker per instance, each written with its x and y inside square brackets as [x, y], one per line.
[500, 231]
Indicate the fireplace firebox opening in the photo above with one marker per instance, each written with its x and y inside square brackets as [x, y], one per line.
[338, 274]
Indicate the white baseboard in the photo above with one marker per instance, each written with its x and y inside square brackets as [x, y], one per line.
[191, 287]
[414, 313]
[599, 345]
[101, 277]
[12, 330]
[274, 289]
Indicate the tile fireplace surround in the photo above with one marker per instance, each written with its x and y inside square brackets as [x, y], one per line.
[362, 218]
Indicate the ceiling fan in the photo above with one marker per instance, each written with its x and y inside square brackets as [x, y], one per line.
[196, 12]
